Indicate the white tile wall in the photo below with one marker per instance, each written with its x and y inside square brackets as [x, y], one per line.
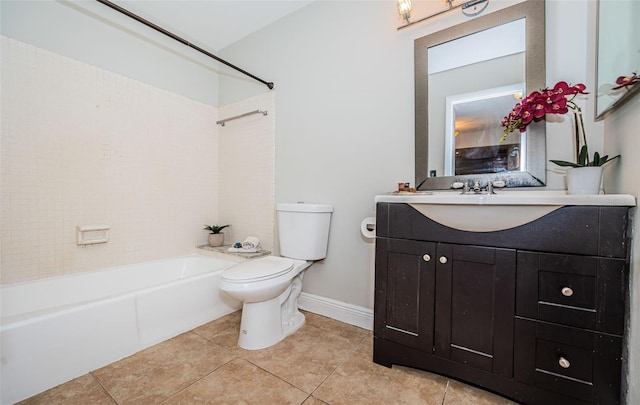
[80, 146]
[247, 167]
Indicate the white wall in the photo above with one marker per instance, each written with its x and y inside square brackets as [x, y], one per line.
[93, 33]
[84, 146]
[621, 130]
[344, 133]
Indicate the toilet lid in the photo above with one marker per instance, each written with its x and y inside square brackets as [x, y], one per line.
[258, 269]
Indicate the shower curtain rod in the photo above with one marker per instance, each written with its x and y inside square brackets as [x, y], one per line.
[181, 40]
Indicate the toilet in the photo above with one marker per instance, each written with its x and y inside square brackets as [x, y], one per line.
[269, 286]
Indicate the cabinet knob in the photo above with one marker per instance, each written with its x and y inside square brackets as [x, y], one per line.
[443, 260]
[564, 363]
[426, 258]
[567, 291]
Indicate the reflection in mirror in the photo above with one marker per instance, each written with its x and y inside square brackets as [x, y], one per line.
[472, 143]
[618, 52]
[472, 72]
[467, 67]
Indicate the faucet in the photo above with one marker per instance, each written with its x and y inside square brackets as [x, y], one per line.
[476, 188]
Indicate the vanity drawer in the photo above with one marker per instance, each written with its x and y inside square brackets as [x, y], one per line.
[582, 291]
[581, 364]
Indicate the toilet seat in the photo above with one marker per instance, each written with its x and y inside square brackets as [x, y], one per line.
[258, 270]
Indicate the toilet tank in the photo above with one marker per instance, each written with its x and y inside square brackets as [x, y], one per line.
[304, 230]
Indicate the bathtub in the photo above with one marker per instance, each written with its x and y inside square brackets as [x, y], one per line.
[56, 329]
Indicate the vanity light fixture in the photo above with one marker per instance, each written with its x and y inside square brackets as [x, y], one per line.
[470, 8]
[404, 9]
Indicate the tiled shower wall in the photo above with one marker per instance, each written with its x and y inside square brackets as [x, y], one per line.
[83, 146]
[247, 170]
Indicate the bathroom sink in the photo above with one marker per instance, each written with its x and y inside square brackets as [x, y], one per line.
[503, 210]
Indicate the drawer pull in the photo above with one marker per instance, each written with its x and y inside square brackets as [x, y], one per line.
[564, 363]
[426, 258]
[443, 260]
[567, 291]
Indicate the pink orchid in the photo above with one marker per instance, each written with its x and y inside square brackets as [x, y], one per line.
[534, 107]
[556, 100]
[626, 81]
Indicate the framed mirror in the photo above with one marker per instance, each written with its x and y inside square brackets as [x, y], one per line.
[618, 53]
[467, 78]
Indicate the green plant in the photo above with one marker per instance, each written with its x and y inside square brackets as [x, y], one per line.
[214, 229]
[583, 159]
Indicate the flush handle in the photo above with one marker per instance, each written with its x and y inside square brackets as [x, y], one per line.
[443, 260]
[567, 291]
[564, 363]
[426, 258]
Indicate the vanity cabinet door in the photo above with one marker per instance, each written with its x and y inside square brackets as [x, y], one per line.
[475, 306]
[404, 292]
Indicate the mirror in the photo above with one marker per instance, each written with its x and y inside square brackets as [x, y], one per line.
[472, 122]
[618, 52]
[463, 78]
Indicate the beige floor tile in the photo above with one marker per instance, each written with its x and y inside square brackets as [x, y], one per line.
[154, 374]
[360, 381]
[306, 358]
[327, 358]
[462, 394]
[365, 347]
[80, 391]
[214, 328]
[223, 332]
[314, 401]
[239, 382]
[353, 333]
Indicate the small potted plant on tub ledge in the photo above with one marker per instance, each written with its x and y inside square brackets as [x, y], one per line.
[216, 236]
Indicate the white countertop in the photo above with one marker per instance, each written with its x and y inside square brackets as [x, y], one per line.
[508, 197]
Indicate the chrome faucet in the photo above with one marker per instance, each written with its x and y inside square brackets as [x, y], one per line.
[476, 188]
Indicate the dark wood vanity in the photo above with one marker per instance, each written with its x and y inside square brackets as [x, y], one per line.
[535, 313]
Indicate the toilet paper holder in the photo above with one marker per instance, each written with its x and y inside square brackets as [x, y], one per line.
[368, 227]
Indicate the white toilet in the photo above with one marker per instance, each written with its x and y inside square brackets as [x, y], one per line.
[269, 287]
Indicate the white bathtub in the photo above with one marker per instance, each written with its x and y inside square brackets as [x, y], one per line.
[56, 329]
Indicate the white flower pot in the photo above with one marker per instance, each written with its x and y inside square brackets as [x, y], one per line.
[216, 239]
[584, 180]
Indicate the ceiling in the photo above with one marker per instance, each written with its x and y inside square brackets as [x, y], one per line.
[212, 24]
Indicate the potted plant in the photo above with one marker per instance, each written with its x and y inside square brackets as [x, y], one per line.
[216, 236]
[559, 100]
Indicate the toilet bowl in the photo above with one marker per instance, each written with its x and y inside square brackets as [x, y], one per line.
[269, 286]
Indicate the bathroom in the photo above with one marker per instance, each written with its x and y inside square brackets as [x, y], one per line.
[340, 126]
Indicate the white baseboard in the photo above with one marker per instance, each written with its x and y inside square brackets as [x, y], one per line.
[340, 311]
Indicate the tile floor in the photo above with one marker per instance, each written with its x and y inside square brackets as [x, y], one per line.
[325, 362]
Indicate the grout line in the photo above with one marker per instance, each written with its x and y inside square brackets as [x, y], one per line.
[96, 379]
[241, 356]
[275, 375]
[446, 389]
[196, 381]
[347, 357]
